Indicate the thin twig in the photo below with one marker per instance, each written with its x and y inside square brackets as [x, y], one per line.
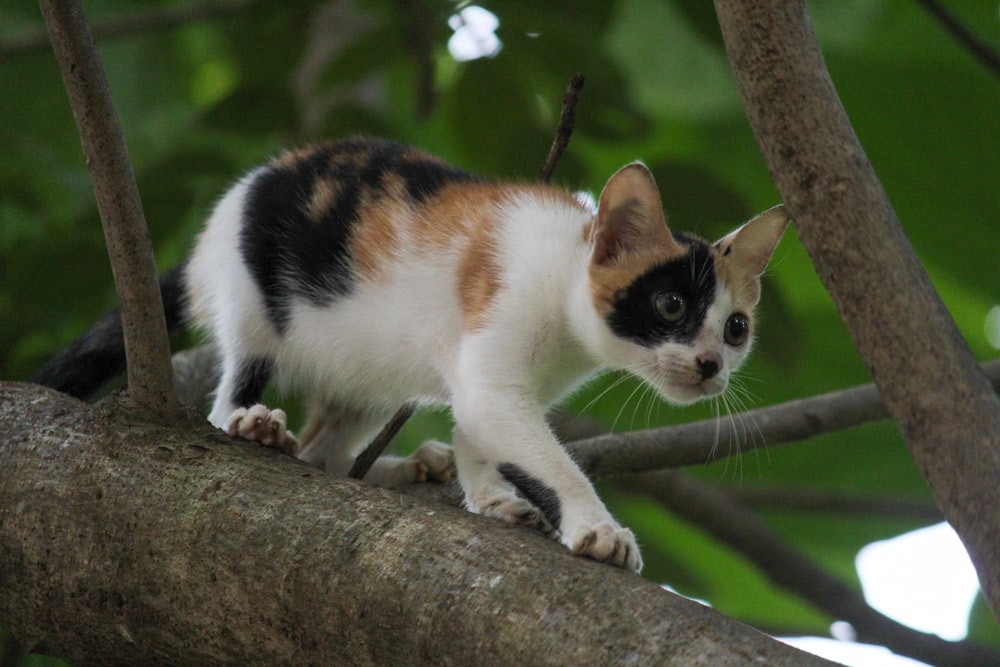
[375, 448]
[748, 534]
[567, 123]
[131, 23]
[147, 348]
[965, 37]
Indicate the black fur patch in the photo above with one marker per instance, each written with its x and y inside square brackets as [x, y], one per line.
[251, 381]
[293, 255]
[634, 314]
[536, 491]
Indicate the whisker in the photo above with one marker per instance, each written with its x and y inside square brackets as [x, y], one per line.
[621, 378]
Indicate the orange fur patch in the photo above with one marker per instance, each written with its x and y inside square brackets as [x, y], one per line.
[324, 196]
[376, 239]
[464, 218]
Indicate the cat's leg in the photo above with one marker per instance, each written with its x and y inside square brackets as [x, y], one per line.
[335, 435]
[237, 409]
[512, 467]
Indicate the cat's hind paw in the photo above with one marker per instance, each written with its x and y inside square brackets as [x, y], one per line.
[513, 509]
[435, 461]
[268, 427]
[606, 542]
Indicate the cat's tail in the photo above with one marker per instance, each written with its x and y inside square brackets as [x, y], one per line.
[98, 356]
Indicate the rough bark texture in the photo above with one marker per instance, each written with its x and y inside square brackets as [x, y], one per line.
[123, 543]
[147, 348]
[944, 407]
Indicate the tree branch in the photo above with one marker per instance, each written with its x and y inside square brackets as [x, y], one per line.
[147, 348]
[833, 502]
[263, 560]
[946, 410]
[747, 533]
[132, 23]
[979, 49]
[567, 123]
[697, 443]
[363, 463]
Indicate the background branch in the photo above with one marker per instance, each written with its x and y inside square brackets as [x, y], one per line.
[833, 502]
[746, 532]
[147, 348]
[132, 23]
[946, 410]
[979, 49]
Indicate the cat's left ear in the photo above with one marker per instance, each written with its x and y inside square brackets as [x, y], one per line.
[629, 216]
[749, 248]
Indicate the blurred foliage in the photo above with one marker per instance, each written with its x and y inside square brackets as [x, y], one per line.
[203, 102]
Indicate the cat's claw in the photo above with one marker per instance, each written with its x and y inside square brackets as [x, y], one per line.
[268, 427]
[606, 542]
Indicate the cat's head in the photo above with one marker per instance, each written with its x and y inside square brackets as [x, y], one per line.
[673, 308]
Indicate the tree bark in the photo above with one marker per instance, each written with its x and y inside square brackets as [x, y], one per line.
[123, 543]
[946, 410]
[147, 347]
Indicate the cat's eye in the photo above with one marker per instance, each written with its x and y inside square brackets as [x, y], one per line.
[671, 306]
[737, 329]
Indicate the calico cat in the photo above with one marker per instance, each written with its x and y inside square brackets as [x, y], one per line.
[364, 274]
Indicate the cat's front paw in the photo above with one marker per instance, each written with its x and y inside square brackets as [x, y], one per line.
[268, 427]
[607, 542]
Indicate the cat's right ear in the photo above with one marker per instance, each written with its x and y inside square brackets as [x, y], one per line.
[629, 216]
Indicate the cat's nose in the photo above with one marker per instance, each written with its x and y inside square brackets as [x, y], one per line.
[708, 366]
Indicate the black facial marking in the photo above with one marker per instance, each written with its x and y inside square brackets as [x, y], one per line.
[536, 491]
[634, 315]
[292, 253]
[251, 381]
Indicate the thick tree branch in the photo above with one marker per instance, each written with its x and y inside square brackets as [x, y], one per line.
[263, 560]
[147, 348]
[944, 407]
[747, 533]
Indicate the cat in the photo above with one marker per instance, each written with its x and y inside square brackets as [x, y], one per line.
[363, 274]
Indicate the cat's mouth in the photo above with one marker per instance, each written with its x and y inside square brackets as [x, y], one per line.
[705, 389]
[683, 379]
[685, 390]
